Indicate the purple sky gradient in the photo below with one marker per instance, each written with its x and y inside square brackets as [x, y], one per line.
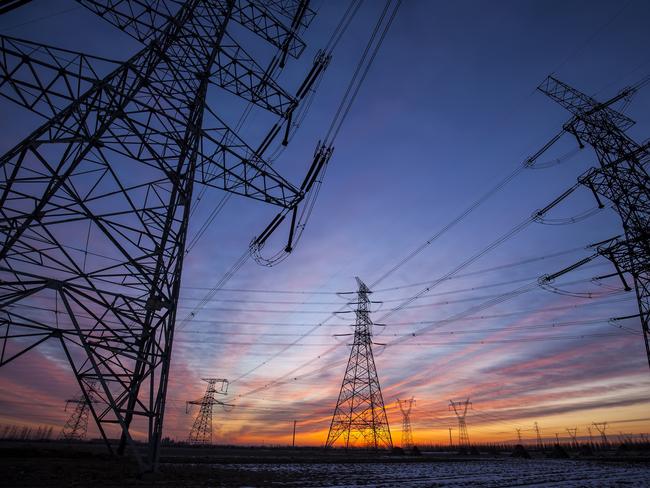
[448, 109]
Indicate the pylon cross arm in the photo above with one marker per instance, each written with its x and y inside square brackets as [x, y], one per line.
[118, 162]
[580, 104]
[290, 11]
[46, 79]
[147, 19]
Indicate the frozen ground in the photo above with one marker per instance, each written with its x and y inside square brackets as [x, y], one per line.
[488, 473]
[60, 465]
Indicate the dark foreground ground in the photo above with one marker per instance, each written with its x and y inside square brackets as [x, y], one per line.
[86, 465]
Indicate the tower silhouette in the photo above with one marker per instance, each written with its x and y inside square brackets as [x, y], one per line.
[540, 444]
[573, 434]
[360, 411]
[76, 427]
[95, 203]
[621, 178]
[460, 409]
[405, 407]
[601, 427]
[201, 432]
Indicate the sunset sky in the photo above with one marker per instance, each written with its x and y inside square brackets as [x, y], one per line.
[447, 111]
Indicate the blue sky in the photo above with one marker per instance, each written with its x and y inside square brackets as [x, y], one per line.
[448, 109]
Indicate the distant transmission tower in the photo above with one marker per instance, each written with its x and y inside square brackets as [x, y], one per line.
[201, 432]
[360, 411]
[405, 407]
[622, 178]
[518, 435]
[540, 444]
[591, 437]
[95, 203]
[573, 433]
[601, 427]
[76, 427]
[460, 409]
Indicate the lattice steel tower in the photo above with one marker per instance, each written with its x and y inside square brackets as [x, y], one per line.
[621, 178]
[95, 203]
[601, 427]
[540, 444]
[405, 407]
[360, 411]
[76, 427]
[460, 409]
[201, 432]
[573, 434]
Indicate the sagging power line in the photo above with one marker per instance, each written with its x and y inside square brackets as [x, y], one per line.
[125, 152]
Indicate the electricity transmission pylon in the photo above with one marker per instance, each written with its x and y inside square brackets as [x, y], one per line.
[460, 409]
[76, 426]
[540, 444]
[405, 407]
[622, 178]
[360, 411]
[601, 427]
[518, 434]
[95, 203]
[201, 432]
[573, 434]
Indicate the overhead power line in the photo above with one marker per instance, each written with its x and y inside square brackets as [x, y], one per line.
[340, 116]
[153, 111]
[293, 375]
[545, 326]
[529, 162]
[499, 267]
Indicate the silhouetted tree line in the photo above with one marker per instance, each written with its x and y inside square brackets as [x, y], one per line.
[641, 443]
[25, 433]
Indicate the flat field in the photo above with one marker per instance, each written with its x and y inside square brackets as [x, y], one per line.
[85, 465]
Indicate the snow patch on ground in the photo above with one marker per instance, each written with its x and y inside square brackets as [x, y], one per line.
[484, 473]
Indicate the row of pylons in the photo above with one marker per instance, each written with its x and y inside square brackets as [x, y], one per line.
[359, 418]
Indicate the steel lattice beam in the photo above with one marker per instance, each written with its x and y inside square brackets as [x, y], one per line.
[9, 5]
[145, 19]
[622, 177]
[94, 203]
